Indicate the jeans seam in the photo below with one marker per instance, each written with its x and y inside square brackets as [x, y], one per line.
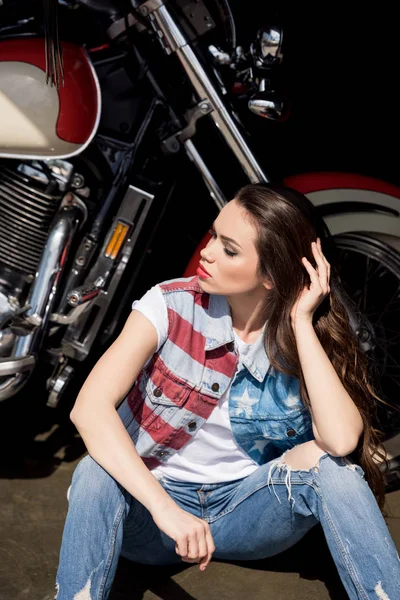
[231, 508]
[117, 521]
[203, 503]
[351, 569]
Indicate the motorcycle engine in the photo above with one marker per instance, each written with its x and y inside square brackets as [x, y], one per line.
[30, 195]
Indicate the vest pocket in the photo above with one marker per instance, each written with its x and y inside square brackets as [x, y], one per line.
[288, 427]
[165, 397]
[290, 431]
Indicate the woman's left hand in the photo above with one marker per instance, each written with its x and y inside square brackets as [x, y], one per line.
[311, 297]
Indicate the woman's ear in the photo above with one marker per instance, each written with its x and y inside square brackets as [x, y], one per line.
[267, 284]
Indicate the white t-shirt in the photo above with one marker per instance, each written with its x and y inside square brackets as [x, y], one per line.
[212, 455]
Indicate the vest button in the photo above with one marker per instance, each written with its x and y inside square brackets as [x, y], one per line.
[192, 425]
[290, 432]
[157, 392]
[215, 387]
[162, 453]
[230, 347]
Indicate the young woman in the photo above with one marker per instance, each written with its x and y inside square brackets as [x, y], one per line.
[244, 392]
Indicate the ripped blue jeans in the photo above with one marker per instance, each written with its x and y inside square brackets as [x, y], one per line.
[251, 518]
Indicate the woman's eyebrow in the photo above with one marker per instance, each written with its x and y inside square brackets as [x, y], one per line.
[227, 239]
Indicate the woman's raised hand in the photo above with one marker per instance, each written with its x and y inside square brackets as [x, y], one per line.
[311, 296]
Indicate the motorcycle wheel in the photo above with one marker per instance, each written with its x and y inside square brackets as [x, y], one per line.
[368, 267]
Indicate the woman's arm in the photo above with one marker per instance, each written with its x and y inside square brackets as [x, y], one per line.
[337, 423]
[98, 422]
[108, 442]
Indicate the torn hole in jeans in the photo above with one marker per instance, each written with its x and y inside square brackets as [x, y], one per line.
[84, 593]
[381, 594]
[280, 464]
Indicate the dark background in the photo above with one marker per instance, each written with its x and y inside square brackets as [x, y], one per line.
[341, 68]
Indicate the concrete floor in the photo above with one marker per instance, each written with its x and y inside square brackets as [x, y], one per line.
[33, 506]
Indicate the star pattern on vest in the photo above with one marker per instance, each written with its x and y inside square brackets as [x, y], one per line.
[259, 445]
[246, 399]
[292, 400]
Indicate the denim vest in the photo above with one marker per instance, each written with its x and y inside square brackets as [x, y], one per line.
[177, 391]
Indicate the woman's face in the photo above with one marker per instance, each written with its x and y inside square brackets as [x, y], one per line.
[230, 257]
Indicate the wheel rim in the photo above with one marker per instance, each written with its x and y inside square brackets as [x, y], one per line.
[370, 273]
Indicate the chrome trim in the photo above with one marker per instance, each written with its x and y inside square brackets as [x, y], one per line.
[83, 256]
[57, 386]
[86, 292]
[220, 57]
[42, 296]
[149, 6]
[212, 186]
[61, 169]
[43, 291]
[172, 35]
[267, 105]
[12, 385]
[14, 366]
[71, 316]
[267, 49]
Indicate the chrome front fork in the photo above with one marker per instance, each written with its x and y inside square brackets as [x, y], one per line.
[173, 40]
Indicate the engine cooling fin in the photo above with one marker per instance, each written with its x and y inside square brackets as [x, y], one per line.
[26, 213]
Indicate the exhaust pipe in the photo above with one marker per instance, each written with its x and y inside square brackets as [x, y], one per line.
[42, 295]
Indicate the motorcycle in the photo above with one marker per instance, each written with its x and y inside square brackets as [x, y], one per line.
[110, 111]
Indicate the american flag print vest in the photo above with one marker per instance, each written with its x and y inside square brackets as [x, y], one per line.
[177, 391]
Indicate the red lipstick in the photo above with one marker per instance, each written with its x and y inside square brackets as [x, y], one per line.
[201, 272]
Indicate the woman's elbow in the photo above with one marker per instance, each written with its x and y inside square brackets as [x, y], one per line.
[73, 416]
[343, 449]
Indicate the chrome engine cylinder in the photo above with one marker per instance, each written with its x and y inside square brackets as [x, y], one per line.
[27, 210]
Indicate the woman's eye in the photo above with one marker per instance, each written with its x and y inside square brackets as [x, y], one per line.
[212, 232]
[229, 252]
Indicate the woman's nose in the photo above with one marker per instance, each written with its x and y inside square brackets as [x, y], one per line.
[206, 254]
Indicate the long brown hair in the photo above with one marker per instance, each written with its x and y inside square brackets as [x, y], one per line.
[286, 223]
